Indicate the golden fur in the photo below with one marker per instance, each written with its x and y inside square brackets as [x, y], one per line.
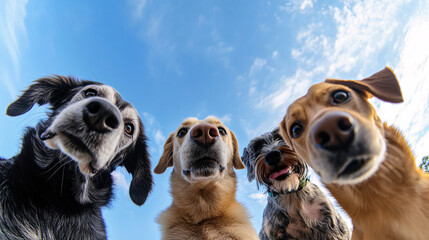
[203, 208]
[392, 201]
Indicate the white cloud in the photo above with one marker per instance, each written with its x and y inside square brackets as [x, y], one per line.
[297, 5]
[12, 32]
[137, 8]
[120, 181]
[275, 54]
[413, 74]
[225, 119]
[257, 66]
[261, 198]
[154, 129]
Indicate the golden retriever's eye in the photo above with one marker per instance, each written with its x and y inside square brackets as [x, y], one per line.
[296, 130]
[182, 132]
[340, 96]
[90, 92]
[129, 128]
[222, 131]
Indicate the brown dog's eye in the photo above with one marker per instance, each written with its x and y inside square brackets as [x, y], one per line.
[340, 97]
[182, 132]
[90, 93]
[296, 130]
[129, 128]
[222, 131]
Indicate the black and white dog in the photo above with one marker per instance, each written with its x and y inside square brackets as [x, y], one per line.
[55, 187]
[297, 208]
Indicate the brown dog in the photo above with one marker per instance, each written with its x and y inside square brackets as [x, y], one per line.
[367, 166]
[203, 154]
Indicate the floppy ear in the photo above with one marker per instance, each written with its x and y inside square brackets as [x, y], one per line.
[250, 169]
[54, 90]
[166, 159]
[282, 131]
[138, 164]
[238, 164]
[382, 85]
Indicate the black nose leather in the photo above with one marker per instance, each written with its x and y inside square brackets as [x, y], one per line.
[273, 157]
[335, 131]
[101, 116]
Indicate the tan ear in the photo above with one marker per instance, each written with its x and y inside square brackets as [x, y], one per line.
[283, 133]
[238, 163]
[382, 85]
[166, 159]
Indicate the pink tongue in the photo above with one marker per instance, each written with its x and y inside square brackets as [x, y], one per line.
[275, 175]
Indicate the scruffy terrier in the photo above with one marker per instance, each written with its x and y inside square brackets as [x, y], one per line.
[297, 208]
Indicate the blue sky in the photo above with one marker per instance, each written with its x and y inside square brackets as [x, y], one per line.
[242, 61]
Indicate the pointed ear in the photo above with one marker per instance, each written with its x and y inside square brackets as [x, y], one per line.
[166, 159]
[238, 163]
[382, 85]
[138, 164]
[54, 90]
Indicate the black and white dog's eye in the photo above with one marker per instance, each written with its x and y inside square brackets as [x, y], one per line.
[296, 130]
[129, 128]
[222, 131]
[90, 93]
[182, 132]
[340, 96]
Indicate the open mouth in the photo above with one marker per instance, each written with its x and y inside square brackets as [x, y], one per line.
[281, 174]
[353, 166]
[205, 167]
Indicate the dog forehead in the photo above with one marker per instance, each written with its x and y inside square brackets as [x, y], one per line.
[189, 122]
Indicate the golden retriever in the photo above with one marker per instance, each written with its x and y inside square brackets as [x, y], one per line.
[366, 164]
[203, 183]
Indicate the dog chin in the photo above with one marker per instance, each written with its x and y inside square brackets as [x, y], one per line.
[289, 184]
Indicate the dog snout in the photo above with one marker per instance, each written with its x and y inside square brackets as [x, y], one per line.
[101, 116]
[273, 157]
[335, 131]
[204, 133]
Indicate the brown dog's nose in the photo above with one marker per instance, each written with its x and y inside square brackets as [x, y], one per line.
[204, 133]
[335, 131]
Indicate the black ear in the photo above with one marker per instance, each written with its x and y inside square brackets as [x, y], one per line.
[138, 164]
[54, 90]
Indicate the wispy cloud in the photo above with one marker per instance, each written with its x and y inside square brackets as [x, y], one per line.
[137, 8]
[261, 198]
[12, 32]
[297, 5]
[120, 180]
[154, 130]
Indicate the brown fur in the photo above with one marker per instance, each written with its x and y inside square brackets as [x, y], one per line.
[203, 209]
[392, 202]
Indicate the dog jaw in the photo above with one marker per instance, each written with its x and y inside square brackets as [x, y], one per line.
[92, 151]
[202, 164]
[354, 164]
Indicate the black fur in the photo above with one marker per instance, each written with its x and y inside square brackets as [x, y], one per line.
[41, 188]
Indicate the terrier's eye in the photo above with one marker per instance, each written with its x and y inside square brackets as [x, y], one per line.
[182, 132]
[222, 131]
[296, 130]
[90, 92]
[340, 96]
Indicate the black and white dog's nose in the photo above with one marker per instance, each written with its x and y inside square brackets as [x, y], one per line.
[273, 157]
[101, 116]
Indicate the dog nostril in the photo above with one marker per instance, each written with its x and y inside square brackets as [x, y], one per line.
[345, 124]
[213, 132]
[93, 107]
[196, 133]
[112, 122]
[322, 138]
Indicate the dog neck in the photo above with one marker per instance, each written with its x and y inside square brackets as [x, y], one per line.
[303, 183]
[197, 202]
[390, 192]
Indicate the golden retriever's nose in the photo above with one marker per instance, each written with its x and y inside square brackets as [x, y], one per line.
[204, 133]
[335, 131]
